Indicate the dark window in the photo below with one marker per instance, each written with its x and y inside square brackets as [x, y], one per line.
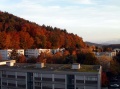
[21, 77]
[11, 84]
[47, 79]
[79, 81]
[21, 85]
[90, 82]
[59, 80]
[46, 87]
[4, 75]
[4, 83]
[36, 87]
[37, 78]
[11, 76]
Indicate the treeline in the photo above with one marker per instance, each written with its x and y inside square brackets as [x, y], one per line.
[17, 33]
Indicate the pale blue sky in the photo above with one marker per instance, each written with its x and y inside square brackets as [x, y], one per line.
[93, 20]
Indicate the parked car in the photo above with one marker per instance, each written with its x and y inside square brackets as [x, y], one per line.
[114, 85]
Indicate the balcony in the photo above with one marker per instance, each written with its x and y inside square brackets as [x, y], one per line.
[12, 84]
[4, 75]
[37, 78]
[59, 80]
[21, 85]
[4, 83]
[11, 76]
[21, 77]
[46, 79]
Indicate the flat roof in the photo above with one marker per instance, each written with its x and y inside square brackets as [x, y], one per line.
[51, 67]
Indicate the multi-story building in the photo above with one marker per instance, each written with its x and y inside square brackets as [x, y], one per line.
[50, 76]
[7, 52]
[36, 52]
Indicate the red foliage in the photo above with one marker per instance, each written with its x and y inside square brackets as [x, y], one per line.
[19, 33]
[104, 79]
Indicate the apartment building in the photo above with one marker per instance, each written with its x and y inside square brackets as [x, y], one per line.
[7, 52]
[50, 76]
[35, 52]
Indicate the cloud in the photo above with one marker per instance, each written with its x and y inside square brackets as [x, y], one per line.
[84, 1]
[89, 17]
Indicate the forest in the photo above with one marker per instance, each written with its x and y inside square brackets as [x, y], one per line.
[17, 33]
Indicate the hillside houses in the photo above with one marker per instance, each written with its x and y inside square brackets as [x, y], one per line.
[6, 53]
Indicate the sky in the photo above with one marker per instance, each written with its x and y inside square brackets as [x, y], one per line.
[93, 20]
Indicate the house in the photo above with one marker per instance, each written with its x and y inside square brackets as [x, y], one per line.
[6, 53]
[35, 52]
[108, 54]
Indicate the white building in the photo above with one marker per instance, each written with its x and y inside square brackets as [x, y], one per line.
[108, 54]
[20, 51]
[117, 50]
[35, 52]
[7, 52]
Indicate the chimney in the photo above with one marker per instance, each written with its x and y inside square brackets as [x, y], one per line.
[10, 63]
[40, 65]
[76, 66]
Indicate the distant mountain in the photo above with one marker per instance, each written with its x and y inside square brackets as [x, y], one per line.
[16, 32]
[90, 44]
[112, 42]
[113, 46]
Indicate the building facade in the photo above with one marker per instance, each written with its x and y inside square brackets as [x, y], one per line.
[7, 52]
[50, 76]
[108, 54]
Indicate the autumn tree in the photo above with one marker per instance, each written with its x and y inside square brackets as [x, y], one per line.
[105, 62]
[25, 40]
[31, 60]
[17, 33]
[58, 58]
[41, 57]
[114, 67]
[90, 59]
[15, 40]
[21, 59]
[104, 79]
[86, 58]
[0, 57]
[70, 59]
[14, 55]
[5, 41]
[49, 58]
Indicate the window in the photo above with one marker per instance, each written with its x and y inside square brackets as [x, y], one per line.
[91, 78]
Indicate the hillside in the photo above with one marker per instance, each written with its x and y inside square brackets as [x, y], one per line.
[113, 46]
[16, 32]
